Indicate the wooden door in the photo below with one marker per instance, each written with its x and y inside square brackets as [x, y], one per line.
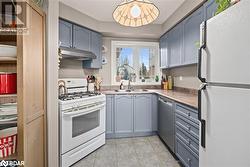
[31, 90]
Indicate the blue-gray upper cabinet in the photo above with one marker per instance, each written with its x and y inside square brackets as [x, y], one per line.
[95, 47]
[210, 8]
[109, 114]
[142, 113]
[65, 33]
[81, 38]
[191, 26]
[123, 114]
[175, 41]
[163, 52]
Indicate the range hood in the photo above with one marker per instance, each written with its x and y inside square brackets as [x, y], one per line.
[76, 54]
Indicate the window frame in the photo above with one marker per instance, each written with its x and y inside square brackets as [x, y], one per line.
[133, 44]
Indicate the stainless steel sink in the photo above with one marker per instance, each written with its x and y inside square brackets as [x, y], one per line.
[140, 90]
[127, 90]
[132, 90]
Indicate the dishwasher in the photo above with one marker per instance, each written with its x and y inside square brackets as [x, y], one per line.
[166, 122]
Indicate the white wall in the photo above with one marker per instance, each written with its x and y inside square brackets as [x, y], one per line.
[112, 29]
[52, 75]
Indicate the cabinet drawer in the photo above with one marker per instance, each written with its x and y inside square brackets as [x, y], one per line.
[192, 143]
[190, 128]
[187, 112]
[187, 156]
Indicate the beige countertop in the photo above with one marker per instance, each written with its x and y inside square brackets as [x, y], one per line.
[181, 97]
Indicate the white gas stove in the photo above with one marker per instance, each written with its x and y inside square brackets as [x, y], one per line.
[82, 120]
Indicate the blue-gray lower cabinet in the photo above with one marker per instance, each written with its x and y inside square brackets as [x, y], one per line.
[187, 157]
[109, 115]
[131, 115]
[142, 113]
[187, 135]
[123, 114]
[154, 112]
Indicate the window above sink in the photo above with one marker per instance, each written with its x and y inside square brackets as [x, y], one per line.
[135, 61]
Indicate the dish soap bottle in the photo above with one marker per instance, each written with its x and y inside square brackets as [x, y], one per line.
[170, 83]
[121, 86]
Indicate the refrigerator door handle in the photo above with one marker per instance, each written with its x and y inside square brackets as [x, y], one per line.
[202, 121]
[203, 46]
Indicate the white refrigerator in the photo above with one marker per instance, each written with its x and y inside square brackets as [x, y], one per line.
[224, 97]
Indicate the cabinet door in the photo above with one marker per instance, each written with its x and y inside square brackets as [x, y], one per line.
[210, 8]
[142, 113]
[65, 34]
[175, 42]
[81, 38]
[109, 114]
[192, 36]
[31, 92]
[123, 114]
[163, 52]
[154, 112]
[95, 47]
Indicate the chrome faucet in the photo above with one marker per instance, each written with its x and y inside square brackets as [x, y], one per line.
[61, 88]
[129, 83]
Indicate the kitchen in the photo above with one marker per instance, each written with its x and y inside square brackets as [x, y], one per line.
[108, 89]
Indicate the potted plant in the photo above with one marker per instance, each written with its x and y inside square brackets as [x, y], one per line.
[224, 4]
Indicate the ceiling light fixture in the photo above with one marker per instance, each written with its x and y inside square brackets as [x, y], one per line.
[135, 13]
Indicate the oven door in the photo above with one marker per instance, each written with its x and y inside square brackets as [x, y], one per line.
[80, 126]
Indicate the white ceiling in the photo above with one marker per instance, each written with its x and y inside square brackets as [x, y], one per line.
[102, 10]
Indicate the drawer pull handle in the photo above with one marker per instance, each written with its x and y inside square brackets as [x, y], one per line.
[189, 128]
[189, 162]
[189, 114]
[184, 127]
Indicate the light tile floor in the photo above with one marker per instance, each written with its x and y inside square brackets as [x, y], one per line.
[130, 152]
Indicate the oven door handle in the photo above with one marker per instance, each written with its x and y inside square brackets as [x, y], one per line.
[84, 111]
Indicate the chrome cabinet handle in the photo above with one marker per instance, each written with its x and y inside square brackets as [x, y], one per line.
[189, 162]
[202, 121]
[203, 46]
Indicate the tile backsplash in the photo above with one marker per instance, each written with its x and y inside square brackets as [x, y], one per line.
[184, 77]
